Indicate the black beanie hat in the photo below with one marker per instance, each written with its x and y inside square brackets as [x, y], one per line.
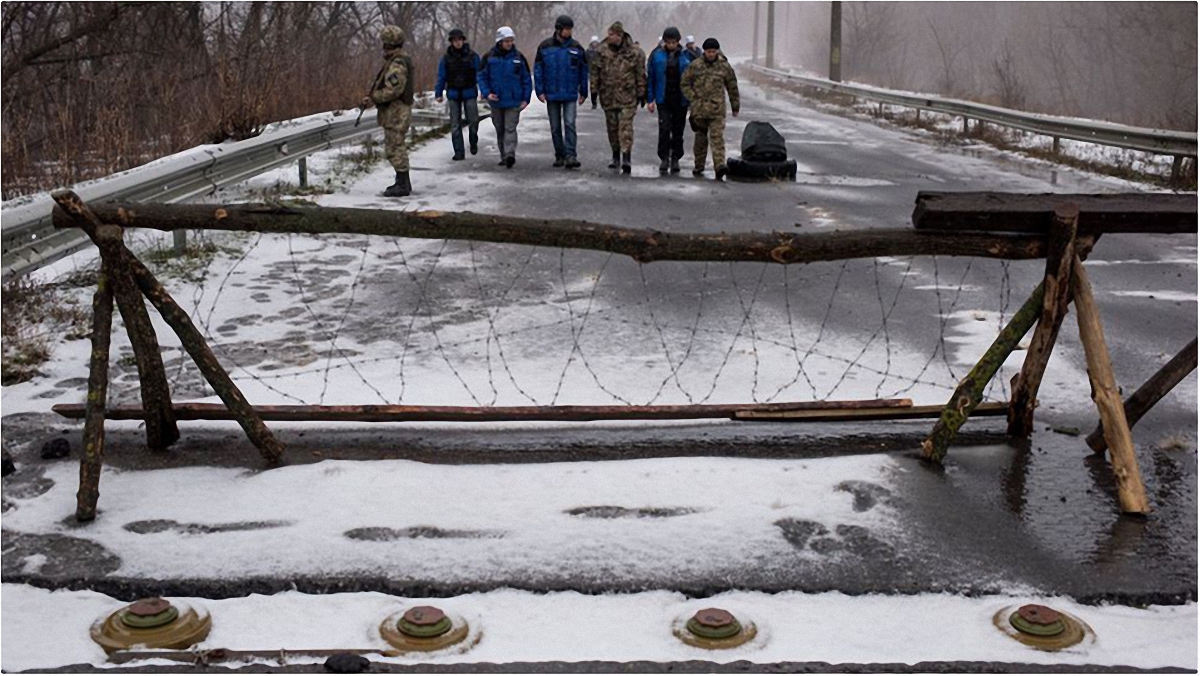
[563, 21]
[711, 43]
[671, 33]
[457, 33]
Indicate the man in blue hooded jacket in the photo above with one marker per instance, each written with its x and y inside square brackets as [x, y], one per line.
[505, 82]
[457, 77]
[664, 73]
[560, 75]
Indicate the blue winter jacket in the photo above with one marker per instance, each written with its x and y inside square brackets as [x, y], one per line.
[458, 81]
[560, 70]
[505, 74]
[656, 74]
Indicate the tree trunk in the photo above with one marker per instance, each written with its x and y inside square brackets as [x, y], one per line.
[640, 244]
[1131, 494]
[1059, 258]
[1150, 392]
[91, 461]
[1009, 212]
[970, 391]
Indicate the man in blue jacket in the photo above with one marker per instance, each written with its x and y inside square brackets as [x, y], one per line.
[456, 76]
[505, 82]
[664, 72]
[560, 77]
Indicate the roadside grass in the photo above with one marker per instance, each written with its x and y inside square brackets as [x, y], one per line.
[935, 124]
[34, 316]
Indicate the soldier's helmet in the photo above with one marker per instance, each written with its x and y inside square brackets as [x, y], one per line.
[392, 36]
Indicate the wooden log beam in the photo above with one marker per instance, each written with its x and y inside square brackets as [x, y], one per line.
[1009, 212]
[859, 414]
[91, 461]
[1131, 494]
[161, 430]
[1059, 258]
[400, 413]
[643, 245]
[179, 321]
[969, 392]
[1149, 394]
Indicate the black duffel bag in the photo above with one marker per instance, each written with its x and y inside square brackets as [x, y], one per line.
[761, 143]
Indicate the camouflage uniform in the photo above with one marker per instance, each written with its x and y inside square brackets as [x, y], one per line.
[392, 93]
[704, 84]
[620, 77]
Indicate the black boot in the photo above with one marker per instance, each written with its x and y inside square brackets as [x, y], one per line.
[397, 189]
[674, 166]
[721, 171]
[625, 162]
[616, 160]
[558, 162]
[407, 187]
[664, 165]
[572, 162]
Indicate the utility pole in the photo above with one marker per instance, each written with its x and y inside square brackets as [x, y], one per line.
[835, 41]
[756, 4]
[771, 34]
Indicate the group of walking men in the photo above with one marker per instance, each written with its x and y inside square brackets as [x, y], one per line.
[677, 79]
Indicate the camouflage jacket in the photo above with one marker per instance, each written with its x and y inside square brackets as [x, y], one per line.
[705, 84]
[619, 75]
[392, 90]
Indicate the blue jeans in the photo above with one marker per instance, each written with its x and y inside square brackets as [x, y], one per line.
[463, 108]
[562, 112]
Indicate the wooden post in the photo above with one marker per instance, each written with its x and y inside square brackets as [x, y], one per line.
[92, 459]
[1150, 392]
[1131, 494]
[970, 391]
[161, 430]
[181, 323]
[1059, 257]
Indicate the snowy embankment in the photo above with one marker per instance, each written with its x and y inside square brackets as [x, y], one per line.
[46, 629]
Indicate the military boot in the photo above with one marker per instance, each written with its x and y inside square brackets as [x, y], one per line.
[674, 165]
[664, 165]
[407, 187]
[625, 162]
[616, 159]
[396, 189]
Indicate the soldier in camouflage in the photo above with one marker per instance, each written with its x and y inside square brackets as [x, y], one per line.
[619, 74]
[704, 84]
[392, 94]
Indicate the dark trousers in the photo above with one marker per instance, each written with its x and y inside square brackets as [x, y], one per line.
[463, 108]
[671, 121]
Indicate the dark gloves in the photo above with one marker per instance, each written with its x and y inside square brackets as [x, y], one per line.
[641, 101]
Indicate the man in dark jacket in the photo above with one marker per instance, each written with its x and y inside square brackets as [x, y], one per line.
[504, 81]
[593, 46]
[664, 73]
[456, 76]
[560, 76]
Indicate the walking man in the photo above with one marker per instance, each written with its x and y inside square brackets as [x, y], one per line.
[392, 94]
[456, 75]
[664, 76]
[505, 82]
[704, 84]
[620, 75]
[593, 48]
[692, 49]
[560, 74]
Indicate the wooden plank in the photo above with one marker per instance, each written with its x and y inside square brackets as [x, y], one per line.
[1057, 281]
[642, 244]
[849, 415]
[1131, 494]
[397, 413]
[1033, 213]
[1149, 394]
[969, 393]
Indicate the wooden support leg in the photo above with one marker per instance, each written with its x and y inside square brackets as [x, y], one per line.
[970, 391]
[161, 430]
[1150, 392]
[1131, 494]
[181, 323]
[1060, 256]
[92, 459]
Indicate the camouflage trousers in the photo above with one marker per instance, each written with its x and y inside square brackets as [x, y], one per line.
[395, 121]
[710, 131]
[620, 127]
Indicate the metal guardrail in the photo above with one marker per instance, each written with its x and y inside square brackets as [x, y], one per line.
[30, 241]
[1158, 141]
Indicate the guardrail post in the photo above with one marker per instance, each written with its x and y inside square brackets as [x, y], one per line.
[180, 239]
[303, 172]
[1177, 169]
[966, 125]
[1057, 145]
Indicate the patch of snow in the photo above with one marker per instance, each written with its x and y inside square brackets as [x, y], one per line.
[1162, 294]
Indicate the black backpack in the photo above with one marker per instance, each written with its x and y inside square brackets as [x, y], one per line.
[761, 143]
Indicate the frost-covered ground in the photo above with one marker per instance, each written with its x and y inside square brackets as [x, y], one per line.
[341, 320]
[44, 629]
